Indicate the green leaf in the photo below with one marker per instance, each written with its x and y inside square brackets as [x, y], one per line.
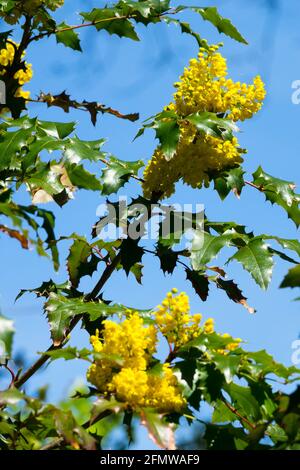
[280, 192]
[211, 124]
[243, 401]
[292, 279]
[107, 19]
[117, 173]
[228, 365]
[231, 180]
[10, 143]
[160, 431]
[82, 178]
[69, 37]
[222, 414]
[205, 247]
[257, 260]
[58, 130]
[60, 311]
[68, 353]
[81, 261]
[11, 397]
[7, 331]
[223, 25]
[167, 132]
[76, 150]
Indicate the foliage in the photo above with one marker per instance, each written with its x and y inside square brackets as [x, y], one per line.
[52, 163]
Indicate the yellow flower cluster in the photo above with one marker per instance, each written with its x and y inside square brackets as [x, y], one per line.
[23, 76]
[128, 376]
[203, 87]
[174, 320]
[29, 7]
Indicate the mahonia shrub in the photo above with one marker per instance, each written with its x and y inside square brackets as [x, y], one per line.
[203, 87]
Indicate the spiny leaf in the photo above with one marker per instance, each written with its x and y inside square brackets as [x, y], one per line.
[81, 261]
[257, 260]
[211, 124]
[107, 19]
[205, 247]
[223, 25]
[292, 279]
[168, 258]
[199, 282]
[68, 353]
[130, 253]
[280, 192]
[167, 132]
[68, 37]
[117, 173]
[233, 292]
[231, 180]
[160, 432]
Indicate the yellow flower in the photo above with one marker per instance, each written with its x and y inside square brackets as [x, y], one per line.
[175, 321]
[204, 86]
[23, 75]
[131, 379]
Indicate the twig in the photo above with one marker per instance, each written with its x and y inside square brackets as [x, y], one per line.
[236, 412]
[78, 26]
[259, 188]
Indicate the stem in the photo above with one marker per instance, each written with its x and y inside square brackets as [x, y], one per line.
[92, 295]
[60, 440]
[78, 26]
[239, 416]
[259, 188]
[13, 376]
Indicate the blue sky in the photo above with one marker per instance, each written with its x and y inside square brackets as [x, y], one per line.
[132, 76]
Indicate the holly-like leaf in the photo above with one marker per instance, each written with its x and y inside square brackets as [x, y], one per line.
[68, 37]
[168, 258]
[205, 247]
[243, 401]
[117, 173]
[292, 278]
[227, 364]
[231, 180]
[159, 431]
[233, 292]
[211, 124]
[167, 132]
[199, 282]
[60, 310]
[81, 178]
[257, 260]
[223, 25]
[131, 253]
[81, 261]
[68, 354]
[109, 20]
[7, 331]
[280, 192]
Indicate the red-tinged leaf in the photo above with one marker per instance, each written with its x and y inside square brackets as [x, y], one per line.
[160, 432]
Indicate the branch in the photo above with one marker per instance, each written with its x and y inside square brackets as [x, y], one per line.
[239, 416]
[259, 188]
[64, 102]
[78, 26]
